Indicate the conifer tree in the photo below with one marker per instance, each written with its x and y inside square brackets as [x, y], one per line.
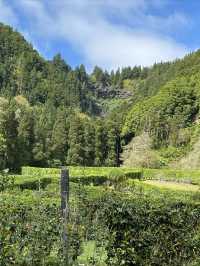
[100, 143]
[59, 143]
[112, 146]
[76, 152]
[89, 143]
[11, 136]
[44, 122]
[25, 130]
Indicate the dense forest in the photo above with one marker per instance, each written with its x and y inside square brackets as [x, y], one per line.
[52, 114]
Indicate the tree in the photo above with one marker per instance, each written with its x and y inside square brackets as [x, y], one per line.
[59, 144]
[76, 152]
[112, 158]
[3, 152]
[43, 126]
[11, 136]
[100, 143]
[81, 73]
[25, 134]
[89, 142]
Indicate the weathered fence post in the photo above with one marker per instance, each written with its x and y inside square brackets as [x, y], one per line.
[64, 183]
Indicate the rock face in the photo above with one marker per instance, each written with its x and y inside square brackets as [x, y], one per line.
[109, 92]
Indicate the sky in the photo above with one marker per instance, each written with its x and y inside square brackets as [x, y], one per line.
[107, 33]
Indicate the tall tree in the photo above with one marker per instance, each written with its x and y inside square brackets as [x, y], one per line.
[25, 129]
[89, 142]
[76, 152]
[11, 136]
[100, 143]
[44, 122]
[59, 144]
[112, 158]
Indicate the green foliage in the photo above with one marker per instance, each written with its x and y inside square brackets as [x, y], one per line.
[100, 141]
[31, 235]
[134, 221]
[76, 151]
[163, 115]
[145, 232]
[6, 181]
[34, 184]
[185, 176]
[42, 122]
[59, 143]
[35, 178]
[36, 171]
[3, 151]
[39, 229]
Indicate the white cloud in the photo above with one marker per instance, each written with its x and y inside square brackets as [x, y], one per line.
[109, 33]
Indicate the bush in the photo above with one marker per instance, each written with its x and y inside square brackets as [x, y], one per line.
[134, 174]
[88, 180]
[6, 181]
[143, 232]
[31, 234]
[84, 175]
[35, 184]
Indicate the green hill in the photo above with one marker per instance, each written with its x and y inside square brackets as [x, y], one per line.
[168, 112]
[52, 114]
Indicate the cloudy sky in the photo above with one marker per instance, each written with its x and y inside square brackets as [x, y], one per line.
[108, 33]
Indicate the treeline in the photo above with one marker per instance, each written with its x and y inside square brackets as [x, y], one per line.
[44, 135]
[24, 72]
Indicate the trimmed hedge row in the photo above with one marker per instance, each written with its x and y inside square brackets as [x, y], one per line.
[184, 176]
[76, 170]
[144, 232]
[35, 184]
[187, 176]
[37, 171]
[30, 234]
[83, 175]
[32, 182]
[87, 180]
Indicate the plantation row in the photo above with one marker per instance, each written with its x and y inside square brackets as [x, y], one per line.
[99, 175]
[126, 221]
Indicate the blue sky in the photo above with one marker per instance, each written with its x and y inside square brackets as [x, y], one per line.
[108, 33]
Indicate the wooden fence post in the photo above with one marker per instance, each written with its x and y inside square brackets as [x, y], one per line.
[64, 183]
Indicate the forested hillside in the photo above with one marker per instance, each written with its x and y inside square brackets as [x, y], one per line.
[52, 114]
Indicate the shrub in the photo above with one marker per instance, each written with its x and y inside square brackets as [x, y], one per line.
[35, 184]
[91, 179]
[30, 234]
[143, 232]
[6, 181]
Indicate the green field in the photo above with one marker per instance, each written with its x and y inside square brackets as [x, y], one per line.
[33, 200]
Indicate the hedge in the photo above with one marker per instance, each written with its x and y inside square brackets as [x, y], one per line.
[185, 176]
[31, 235]
[35, 184]
[144, 232]
[85, 175]
[36, 171]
